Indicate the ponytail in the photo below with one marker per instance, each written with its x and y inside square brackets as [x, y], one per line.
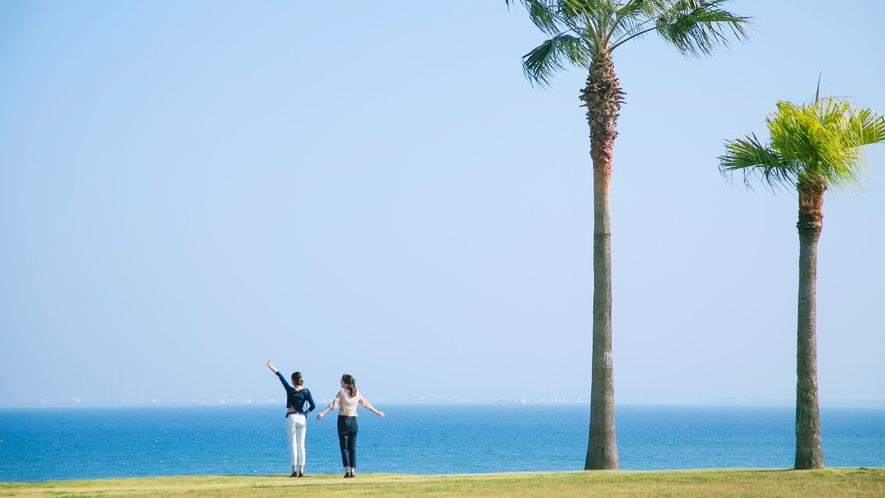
[350, 382]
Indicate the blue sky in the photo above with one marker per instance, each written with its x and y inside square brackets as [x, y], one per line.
[190, 188]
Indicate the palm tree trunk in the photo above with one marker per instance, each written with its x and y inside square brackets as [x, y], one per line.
[808, 450]
[602, 96]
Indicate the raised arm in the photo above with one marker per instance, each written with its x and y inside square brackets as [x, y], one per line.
[332, 406]
[282, 379]
[363, 401]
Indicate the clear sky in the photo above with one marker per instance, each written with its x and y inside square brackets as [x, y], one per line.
[190, 188]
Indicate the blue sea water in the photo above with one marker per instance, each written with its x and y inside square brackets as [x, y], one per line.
[41, 444]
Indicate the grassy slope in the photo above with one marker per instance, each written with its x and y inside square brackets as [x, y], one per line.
[684, 483]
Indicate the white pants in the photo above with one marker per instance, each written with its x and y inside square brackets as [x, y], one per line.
[296, 428]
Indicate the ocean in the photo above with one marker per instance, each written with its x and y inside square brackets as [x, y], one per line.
[81, 443]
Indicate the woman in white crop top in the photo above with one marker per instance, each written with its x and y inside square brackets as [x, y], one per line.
[346, 400]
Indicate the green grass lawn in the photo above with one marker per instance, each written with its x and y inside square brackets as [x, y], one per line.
[684, 483]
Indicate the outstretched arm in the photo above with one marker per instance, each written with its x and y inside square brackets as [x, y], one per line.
[331, 406]
[368, 406]
[271, 367]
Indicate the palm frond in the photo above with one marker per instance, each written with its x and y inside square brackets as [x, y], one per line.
[810, 144]
[632, 16]
[545, 60]
[543, 14]
[696, 27]
[598, 15]
[754, 160]
[819, 136]
[639, 8]
[575, 8]
[867, 127]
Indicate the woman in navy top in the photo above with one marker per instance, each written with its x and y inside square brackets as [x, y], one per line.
[296, 422]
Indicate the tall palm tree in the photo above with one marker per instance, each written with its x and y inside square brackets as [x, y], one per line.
[585, 33]
[813, 147]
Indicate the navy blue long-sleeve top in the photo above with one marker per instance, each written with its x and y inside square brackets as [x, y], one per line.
[295, 399]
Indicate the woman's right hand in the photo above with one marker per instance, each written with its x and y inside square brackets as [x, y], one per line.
[270, 366]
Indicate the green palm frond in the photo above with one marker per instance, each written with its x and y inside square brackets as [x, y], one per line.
[809, 144]
[639, 8]
[819, 137]
[696, 27]
[868, 127]
[543, 14]
[570, 9]
[542, 63]
[634, 18]
[580, 30]
[754, 160]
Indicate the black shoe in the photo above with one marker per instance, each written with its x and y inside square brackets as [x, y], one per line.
[347, 474]
[294, 474]
[301, 474]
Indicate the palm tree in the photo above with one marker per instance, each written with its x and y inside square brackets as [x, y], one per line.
[585, 33]
[813, 147]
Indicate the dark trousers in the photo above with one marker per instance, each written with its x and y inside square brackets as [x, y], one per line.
[347, 429]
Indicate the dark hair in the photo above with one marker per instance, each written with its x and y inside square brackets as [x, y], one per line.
[296, 379]
[350, 382]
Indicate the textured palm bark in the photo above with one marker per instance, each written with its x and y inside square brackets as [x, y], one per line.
[809, 454]
[602, 96]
